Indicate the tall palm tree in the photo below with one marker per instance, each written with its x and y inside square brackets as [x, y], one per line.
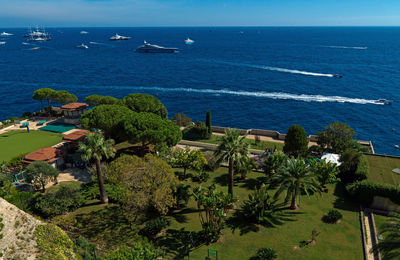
[294, 178]
[96, 147]
[231, 149]
[389, 247]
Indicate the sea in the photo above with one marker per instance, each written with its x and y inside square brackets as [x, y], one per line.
[248, 77]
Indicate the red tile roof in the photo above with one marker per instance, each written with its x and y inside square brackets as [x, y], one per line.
[76, 136]
[74, 106]
[48, 154]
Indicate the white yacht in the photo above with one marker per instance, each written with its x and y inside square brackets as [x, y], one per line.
[189, 41]
[118, 37]
[82, 46]
[84, 32]
[5, 34]
[3, 43]
[151, 48]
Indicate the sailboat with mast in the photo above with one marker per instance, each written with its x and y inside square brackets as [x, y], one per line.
[38, 35]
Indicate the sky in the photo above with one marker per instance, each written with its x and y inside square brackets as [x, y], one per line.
[76, 13]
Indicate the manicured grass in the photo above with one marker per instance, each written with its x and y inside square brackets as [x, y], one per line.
[336, 241]
[21, 142]
[261, 145]
[380, 169]
[106, 227]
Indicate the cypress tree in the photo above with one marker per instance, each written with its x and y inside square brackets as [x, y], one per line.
[208, 122]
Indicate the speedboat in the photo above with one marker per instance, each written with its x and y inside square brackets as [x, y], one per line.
[337, 76]
[83, 32]
[5, 34]
[150, 48]
[118, 37]
[189, 41]
[82, 46]
[385, 101]
[2, 43]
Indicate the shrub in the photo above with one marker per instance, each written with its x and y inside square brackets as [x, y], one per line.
[196, 132]
[201, 176]
[139, 251]
[332, 216]
[114, 192]
[273, 162]
[354, 166]
[154, 226]
[181, 120]
[182, 194]
[64, 200]
[20, 199]
[212, 161]
[265, 254]
[364, 191]
[86, 250]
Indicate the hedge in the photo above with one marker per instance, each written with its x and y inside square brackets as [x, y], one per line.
[364, 191]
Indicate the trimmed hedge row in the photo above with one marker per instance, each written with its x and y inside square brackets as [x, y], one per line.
[364, 191]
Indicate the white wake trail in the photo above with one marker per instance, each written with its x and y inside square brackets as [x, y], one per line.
[346, 47]
[271, 95]
[284, 70]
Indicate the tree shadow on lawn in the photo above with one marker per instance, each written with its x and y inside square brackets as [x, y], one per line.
[245, 225]
[343, 200]
[108, 227]
[180, 215]
[251, 184]
[179, 242]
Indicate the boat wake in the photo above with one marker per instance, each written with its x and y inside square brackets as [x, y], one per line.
[284, 70]
[270, 95]
[100, 43]
[346, 47]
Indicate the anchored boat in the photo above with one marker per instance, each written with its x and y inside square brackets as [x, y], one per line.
[151, 48]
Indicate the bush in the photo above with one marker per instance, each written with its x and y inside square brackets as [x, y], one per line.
[66, 199]
[201, 176]
[139, 251]
[86, 250]
[364, 191]
[296, 141]
[197, 132]
[354, 166]
[265, 254]
[212, 161]
[181, 120]
[114, 192]
[154, 226]
[182, 194]
[332, 216]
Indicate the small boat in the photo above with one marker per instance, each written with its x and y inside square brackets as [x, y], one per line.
[396, 146]
[35, 48]
[118, 37]
[337, 76]
[5, 34]
[82, 46]
[2, 43]
[84, 32]
[189, 41]
[385, 101]
[150, 48]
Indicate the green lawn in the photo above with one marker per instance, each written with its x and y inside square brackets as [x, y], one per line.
[106, 227]
[336, 241]
[20, 142]
[380, 169]
[261, 145]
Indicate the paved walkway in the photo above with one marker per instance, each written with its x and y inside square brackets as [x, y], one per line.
[72, 174]
[370, 235]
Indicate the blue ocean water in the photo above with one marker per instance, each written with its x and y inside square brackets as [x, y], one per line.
[249, 77]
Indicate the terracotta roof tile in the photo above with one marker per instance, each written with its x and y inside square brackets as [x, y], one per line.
[43, 154]
[76, 136]
[74, 106]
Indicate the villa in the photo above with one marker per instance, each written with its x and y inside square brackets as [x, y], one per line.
[73, 111]
[51, 155]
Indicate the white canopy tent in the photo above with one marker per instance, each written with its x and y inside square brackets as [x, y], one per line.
[331, 157]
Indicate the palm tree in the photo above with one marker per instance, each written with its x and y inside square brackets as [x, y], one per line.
[293, 178]
[97, 147]
[231, 149]
[389, 247]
